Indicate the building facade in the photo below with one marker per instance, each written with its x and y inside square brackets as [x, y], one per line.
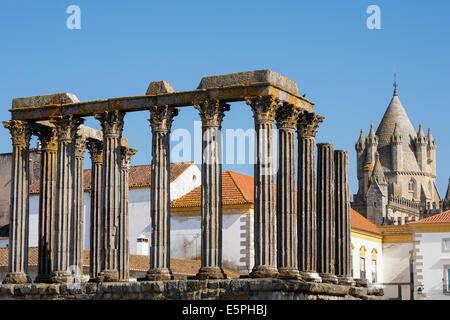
[396, 170]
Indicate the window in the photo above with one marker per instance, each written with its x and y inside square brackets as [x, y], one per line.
[448, 280]
[446, 245]
[362, 268]
[412, 186]
[374, 271]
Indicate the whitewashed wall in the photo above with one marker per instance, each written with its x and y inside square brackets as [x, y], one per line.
[430, 260]
[397, 270]
[370, 245]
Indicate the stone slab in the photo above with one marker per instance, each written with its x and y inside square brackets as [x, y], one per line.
[159, 87]
[249, 78]
[49, 99]
[231, 289]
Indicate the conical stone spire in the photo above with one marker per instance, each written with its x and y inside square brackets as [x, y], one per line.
[360, 144]
[396, 115]
[378, 173]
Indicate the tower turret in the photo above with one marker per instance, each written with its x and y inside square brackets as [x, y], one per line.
[446, 201]
[371, 146]
[431, 152]
[421, 149]
[397, 149]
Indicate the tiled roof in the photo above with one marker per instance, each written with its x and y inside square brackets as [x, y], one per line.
[443, 217]
[139, 176]
[237, 188]
[137, 262]
[361, 223]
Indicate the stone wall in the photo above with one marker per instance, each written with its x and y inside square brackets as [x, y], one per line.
[242, 289]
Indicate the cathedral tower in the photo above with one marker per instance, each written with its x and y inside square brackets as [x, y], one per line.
[396, 169]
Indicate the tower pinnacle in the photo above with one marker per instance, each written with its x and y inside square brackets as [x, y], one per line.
[395, 85]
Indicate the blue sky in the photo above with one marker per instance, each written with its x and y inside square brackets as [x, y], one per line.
[346, 69]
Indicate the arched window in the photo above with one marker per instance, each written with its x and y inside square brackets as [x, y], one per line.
[412, 185]
[362, 262]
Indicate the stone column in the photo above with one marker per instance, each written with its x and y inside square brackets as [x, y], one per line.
[211, 113]
[77, 230]
[47, 200]
[96, 152]
[66, 129]
[264, 109]
[342, 219]
[325, 213]
[286, 194]
[306, 188]
[19, 209]
[161, 118]
[112, 125]
[123, 252]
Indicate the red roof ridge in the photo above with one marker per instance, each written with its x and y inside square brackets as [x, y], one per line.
[443, 217]
[238, 186]
[358, 221]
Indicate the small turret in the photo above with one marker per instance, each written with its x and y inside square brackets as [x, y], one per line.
[361, 143]
[431, 141]
[397, 149]
[378, 173]
[421, 149]
[371, 145]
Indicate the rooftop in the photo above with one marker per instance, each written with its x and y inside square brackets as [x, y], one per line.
[443, 217]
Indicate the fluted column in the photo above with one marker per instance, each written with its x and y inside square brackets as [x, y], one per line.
[112, 125]
[96, 152]
[307, 201]
[325, 213]
[161, 118]
[264, 109]
[19, 209]
[123, 254]
[342, 218]
[77, 229]
[66, 129]
[211, 113]
[286, 195]
[47, 200]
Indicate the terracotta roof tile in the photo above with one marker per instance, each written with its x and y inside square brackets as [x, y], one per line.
[388, 230]
[137, 262]
[361, 223]
[139, 176]
[237, 188]
[443, 217]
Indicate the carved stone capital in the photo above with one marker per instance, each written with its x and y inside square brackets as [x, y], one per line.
[20, 132]
[66, 127]
[79, 145]
[47, 136]
[95, 149]
[264, 108]
[308, 123]
[211, 112]
[161, 118]
[126, 154]
[287, 116]
[111, 122]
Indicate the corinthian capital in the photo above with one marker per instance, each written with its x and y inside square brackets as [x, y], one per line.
[287, 116]
[264, 108]
[126, 155]
[111, 122]
[211, 112]
[95, 148]
[308, 123]
[66, 127]
[79, 145]
[161, 118]
[20, 132]
[47, 136]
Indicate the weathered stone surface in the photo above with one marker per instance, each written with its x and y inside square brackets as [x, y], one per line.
[249, 78]
[159, 87]
[57, 98]
[245, 289]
